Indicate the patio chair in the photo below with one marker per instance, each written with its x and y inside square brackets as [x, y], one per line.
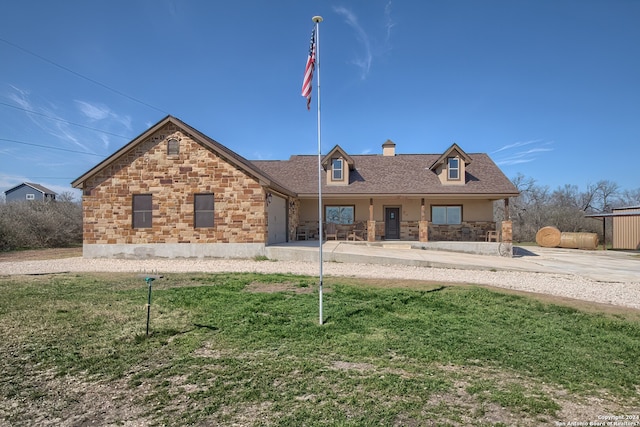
[302, 233]
[492, 236]
[465, 234]
[358, 232]
[331, 231]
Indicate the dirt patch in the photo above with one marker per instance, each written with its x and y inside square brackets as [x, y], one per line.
[279, 287]
[40, 254]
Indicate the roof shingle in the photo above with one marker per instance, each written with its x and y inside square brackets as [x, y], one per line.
[400, 174]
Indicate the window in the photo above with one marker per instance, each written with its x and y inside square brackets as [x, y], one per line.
[142, 211]
[31, 196]
[173, 147]
[446, 214]
[203, 210]
[336, 168]
[453, 168]
[339, 214]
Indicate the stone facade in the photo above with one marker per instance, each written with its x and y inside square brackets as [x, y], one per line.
[240, 214]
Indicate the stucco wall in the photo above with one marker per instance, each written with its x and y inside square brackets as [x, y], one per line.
[472, 210]
[240, 213]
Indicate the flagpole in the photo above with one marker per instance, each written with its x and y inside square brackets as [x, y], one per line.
[317, 20]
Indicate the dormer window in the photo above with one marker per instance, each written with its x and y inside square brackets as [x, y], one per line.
[336, 169]
[453, 168]
[338, 165]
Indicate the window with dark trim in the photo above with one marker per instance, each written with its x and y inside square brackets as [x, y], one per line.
[339, 214]
[203, 210]
[142, 210]
[336, 168]
[173, 147]
[446, 214]
[453, 168]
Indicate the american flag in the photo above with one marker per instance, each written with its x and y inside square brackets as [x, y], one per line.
[308, 70]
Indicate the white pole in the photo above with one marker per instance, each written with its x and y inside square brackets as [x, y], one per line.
[317, 20]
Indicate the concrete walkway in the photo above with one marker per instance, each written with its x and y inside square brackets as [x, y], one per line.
[608, 266]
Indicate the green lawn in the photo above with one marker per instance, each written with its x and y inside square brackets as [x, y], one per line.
[246, 349]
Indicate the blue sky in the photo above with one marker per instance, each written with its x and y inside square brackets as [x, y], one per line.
[548, 88]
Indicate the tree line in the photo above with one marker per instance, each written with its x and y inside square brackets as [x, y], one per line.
[565, 207]
[41, 224]
[59, 223]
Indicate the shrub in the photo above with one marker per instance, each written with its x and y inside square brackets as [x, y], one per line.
[34, 224]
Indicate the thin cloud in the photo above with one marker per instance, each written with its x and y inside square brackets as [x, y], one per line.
[517, 144]
[44, 115]
[389, 24]
[56, 128]
[510, 162]
[100, 112]
[363, 61]
[514, 157]
[97, 111]
[93, 111]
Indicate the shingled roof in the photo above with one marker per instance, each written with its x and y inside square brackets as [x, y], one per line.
[37, 187]
[402, 174]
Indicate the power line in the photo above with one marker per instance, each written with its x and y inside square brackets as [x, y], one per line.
[50, 177]
[63, 121]
[50, 147]
[82, 76]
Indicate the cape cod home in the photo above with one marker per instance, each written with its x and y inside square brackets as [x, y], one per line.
[175, 192]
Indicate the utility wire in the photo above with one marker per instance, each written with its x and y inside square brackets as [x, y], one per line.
[82, 76]
[64, 121]
[51, 148]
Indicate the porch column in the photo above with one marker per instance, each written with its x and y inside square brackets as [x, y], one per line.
[507, 232]
[507, 224]
[423, 224]
[371, 224]
[507, 214]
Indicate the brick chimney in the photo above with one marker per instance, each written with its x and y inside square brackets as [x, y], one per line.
[389, 148]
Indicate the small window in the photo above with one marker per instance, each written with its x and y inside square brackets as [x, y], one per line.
[453, 168]
[446, 215]
[336, 167]
[173, 147]
[142, 210]
[31, 196]
[339, 214]
[203, 210]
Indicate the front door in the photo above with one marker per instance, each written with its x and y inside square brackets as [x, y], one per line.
[391, 223]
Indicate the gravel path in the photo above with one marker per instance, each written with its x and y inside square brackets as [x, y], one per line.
[570, 286]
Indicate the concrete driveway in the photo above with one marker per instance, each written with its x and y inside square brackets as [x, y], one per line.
[607, 266]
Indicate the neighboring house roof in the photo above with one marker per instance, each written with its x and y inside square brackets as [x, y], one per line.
[230, 156]
[392, 175]
[37, 187]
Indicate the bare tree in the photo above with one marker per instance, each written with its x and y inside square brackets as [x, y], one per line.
[630, 198]
[39, 224]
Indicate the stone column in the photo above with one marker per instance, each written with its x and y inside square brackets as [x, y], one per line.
[423, 224]
[507, 232]
[371, 224]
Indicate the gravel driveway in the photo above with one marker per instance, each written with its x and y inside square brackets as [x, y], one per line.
[626, 294]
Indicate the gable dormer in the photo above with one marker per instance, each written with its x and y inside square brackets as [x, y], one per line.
[450, 166]
[337, 163]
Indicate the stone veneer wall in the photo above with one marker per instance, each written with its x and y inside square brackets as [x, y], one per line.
[239, 209]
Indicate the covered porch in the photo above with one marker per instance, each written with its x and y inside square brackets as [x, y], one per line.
[417, 219]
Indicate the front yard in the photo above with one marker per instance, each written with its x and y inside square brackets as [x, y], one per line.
[247, 350]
